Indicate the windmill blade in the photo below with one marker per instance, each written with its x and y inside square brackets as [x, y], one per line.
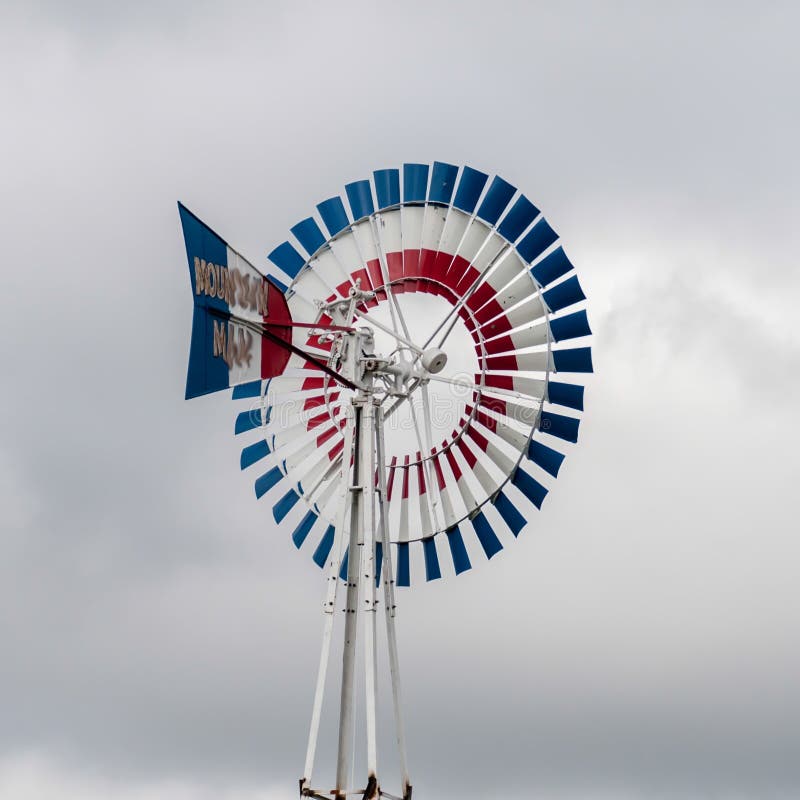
[529, 486]
[489, 254]
[244, 391]
[489, 483]
[403, 565]
[302, 530]
[432, 569]
[518, 304]
[289, 469]
[503, 462]
[433, 224]
[470, 503]
[510, 513]
[519, 339]
[458, 551]
[423, 499]
[450, 518]
[486, 536]
[402, 530]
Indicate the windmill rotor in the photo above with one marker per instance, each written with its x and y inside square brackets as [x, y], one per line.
[443, 298]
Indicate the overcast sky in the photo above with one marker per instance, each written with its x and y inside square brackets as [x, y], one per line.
[159, 636]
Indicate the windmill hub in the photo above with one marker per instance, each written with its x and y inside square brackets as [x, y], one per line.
[434, 360]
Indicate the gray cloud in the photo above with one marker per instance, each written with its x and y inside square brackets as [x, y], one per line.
[641, 639]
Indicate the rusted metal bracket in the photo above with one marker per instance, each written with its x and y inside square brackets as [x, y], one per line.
[371, 791]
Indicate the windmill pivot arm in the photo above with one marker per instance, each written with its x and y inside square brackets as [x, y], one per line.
[342, 311]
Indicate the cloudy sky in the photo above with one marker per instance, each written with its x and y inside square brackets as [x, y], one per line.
[159, 636]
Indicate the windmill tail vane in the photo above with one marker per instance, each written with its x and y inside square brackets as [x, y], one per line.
[307, 344]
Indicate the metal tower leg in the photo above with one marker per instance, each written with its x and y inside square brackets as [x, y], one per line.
[329, 608]
[371, 410]
[362, 522]
[390, 605]
[351, 607]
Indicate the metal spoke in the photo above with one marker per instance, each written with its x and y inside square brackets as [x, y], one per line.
[462, 301]
[394, 305]
[386, 329]
[480, 388]
[425, 451]
[433, 486]
[329, 609]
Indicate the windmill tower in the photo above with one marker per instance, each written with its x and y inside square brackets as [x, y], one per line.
[437, 281]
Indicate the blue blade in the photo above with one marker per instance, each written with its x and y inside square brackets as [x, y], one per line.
[509, 513]
[333, 215]
[578, 359]
[324, 547]
[552, 267]
[267, 481]
[359, 195]
[572, 326]
[522, 213]
[497, 198]
[415, 182]
[443, 181]
[548, 459]
[246, 390]
[563, 427]
[345, 564]
[301, 531]
[469, 189]
[486, 535]
[403, 568]
[565, 394]
[387, 187]
[252, 453]
[458, 551]
[432, 570]
[285, 505]
[564, 294]
[536, 241]
[309, 235]
[285, 257]
[378, 562]
[530, 487]
[248, 420]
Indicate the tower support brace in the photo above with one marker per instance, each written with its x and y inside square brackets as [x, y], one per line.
[362, 522]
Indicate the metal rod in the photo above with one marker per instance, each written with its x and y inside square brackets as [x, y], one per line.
[463, 299]
[386, 329]
[259, 329]
[433, 485]
[482, 388]
[329, 609]
[351, 608]
[376, 220]
[389, 607]
[369, 602]
[425, 448]
[394, 304]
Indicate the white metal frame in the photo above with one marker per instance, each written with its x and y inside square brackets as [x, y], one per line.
[362, 522]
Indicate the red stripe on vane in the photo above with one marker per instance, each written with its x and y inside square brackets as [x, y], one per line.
[421, 474]
[406, 470]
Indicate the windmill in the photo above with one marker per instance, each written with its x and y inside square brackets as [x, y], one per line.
[332, 354]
